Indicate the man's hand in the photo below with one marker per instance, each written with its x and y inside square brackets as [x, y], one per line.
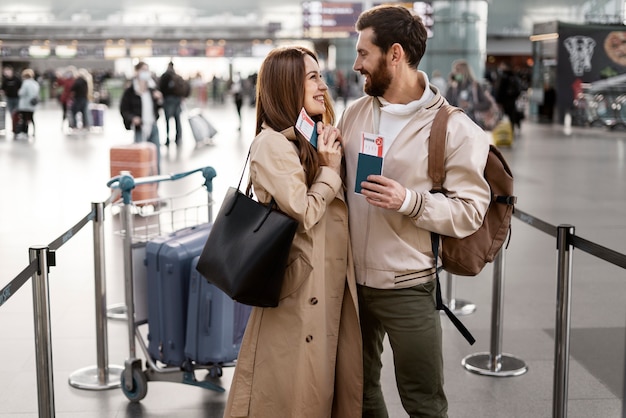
[383, 192]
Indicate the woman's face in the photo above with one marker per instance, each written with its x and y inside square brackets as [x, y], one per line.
[314, 88]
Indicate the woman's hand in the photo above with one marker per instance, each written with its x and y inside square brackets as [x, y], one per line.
[329, 146]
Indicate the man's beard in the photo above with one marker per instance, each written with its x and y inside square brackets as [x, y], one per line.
[379, 80]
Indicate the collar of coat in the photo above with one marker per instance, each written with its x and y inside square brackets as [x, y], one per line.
[289, 133]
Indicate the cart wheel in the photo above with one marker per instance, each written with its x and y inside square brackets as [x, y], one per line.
[215, 371]
[140, 386]
[187, 365]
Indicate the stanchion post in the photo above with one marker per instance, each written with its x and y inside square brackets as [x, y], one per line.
[43, 336]
[563, 314]
[624, 393]
[103, 376]
[458, 306]
[495, 363]
[497, 325]
[127, 245]
[209, 174]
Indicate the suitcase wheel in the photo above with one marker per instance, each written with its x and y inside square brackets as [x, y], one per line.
[140, 386]
[215, 371]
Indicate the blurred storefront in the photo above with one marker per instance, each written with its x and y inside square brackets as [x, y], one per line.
[576, 62]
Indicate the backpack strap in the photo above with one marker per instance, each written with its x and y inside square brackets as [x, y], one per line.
[436, 159]
[437, 147]
[434, 241]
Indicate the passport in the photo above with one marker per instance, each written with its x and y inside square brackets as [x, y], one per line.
[366, 165]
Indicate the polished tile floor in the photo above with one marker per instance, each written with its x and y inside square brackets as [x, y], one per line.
[50, 182]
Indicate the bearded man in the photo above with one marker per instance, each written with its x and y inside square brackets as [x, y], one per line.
[393, 214]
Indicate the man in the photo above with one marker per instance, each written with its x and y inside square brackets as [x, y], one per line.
[507, 91]
[80, 102]
[170, 85]
[140, 106]
[11, 84]
[392, 217]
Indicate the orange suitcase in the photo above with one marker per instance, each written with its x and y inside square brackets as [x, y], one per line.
[141, 160]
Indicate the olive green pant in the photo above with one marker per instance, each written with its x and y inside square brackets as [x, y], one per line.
[409, 318]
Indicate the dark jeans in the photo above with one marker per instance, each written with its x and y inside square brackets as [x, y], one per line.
[172, 109]
[12, 103]
[80, 105]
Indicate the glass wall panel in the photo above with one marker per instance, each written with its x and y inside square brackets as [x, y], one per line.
[460, 31]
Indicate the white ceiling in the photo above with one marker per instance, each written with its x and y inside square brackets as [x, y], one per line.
[505, 16]
[100, 10]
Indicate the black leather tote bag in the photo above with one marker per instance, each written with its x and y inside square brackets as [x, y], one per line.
[246, 253]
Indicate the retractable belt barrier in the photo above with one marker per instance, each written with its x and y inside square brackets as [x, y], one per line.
[566, 242]
[41, 258]
[15, 284]
[587, 246]
[19, 280]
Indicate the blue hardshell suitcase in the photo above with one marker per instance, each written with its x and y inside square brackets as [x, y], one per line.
[215, 322]
[168, 262]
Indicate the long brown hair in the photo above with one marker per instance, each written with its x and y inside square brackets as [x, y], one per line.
[280, 97]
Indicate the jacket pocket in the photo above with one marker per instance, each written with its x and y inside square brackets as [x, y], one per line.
[297, 272]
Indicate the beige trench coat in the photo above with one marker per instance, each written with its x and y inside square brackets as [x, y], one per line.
[303, 358]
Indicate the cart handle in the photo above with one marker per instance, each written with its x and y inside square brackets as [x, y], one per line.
[125, 181]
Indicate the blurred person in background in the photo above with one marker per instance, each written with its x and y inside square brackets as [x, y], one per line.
[465, 91]
[28, 100]
[80, 101]
[507, 90]
[64, 81]
[11, 84]
[236, 89]
[172, 88]
[140, 106]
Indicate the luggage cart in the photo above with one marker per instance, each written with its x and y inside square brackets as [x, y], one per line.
[142, 221]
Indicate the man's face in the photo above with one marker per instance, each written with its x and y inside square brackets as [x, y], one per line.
[372, 63]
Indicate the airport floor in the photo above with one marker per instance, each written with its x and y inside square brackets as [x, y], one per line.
[51, 181]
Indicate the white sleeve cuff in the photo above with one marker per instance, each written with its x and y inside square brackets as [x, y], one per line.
[407, 201]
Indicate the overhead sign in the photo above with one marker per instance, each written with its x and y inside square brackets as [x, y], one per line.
[329, 20]
[39, 51]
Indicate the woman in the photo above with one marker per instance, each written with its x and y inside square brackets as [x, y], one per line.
[303, 358]
[465, 92]
[64, 82]
[28, 99]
